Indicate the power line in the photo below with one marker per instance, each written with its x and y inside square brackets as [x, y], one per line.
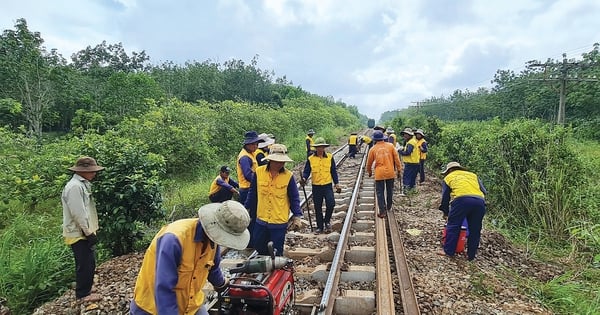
[567, 71]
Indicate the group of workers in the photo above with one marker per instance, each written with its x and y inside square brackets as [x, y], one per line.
[266, 193]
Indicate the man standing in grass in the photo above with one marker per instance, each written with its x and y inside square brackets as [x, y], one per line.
[80, 223]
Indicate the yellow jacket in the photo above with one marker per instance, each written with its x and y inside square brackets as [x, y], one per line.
[273, 202]
[197, 259]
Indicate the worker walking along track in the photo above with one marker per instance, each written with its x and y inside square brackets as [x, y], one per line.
[357, 268]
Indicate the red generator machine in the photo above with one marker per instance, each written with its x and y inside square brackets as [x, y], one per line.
[262, 285]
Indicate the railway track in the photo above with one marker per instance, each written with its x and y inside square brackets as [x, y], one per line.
[358, 268]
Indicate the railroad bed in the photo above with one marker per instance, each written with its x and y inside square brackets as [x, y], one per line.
[442, 285]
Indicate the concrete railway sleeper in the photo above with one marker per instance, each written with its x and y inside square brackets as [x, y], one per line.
[348, 271]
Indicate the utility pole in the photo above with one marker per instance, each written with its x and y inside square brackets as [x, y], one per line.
[418, 106]
[564, 68]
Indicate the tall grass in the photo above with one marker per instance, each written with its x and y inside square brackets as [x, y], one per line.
[35, 271]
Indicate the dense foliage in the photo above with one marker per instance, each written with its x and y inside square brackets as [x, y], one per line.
[533, 93]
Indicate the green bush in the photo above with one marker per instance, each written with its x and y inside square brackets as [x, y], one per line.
[128, 192]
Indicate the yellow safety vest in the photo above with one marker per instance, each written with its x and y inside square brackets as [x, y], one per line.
[414, 157]
[243, 181]
[321, 169]
[192, 271]
[353, 140]
[463, 183]
[273, 202]
[423, 155]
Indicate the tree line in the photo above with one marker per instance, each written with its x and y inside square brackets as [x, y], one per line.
[99, 86]
[532, 93]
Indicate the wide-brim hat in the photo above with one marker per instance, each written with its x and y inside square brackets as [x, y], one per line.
[310, 132]
[226, 223]
[408, 131]
[420, 132]
[267, 140]
[378, 128]
[278, 153]
[320, 142]
[452, 166]
[86, 164]
[378, 135]
[251, 137]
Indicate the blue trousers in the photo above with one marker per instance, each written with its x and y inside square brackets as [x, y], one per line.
[409, 176]
[221, 195]
[384, 189]
[473, 209]
[262, 234]
[351, 150]
[321, 192]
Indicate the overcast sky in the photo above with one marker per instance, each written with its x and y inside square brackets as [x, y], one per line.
[376, 54]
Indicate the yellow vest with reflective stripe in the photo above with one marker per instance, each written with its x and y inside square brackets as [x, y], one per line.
[321, 169]
[463, 183]
[273, 202]
[192, 271]
[245, 183]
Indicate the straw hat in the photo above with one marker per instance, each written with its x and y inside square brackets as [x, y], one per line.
[278, 153]
[225, 223]
[320, 142]
[86, 164]
[452, 166]
[407, 131]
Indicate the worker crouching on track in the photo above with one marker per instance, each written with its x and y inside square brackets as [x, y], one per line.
[352, 143]
[184, 255]
[273, 194]
[324, 174]
[463, 196]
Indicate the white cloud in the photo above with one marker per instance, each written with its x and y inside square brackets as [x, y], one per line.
[378, 55]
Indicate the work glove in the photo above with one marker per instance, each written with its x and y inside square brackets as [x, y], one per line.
[401, 148]
[338, 189]
[92, 239]
[302, 181]
[295, 223]
[222, 287]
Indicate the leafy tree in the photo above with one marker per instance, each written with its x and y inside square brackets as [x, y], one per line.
[24, 73]
[128, 192]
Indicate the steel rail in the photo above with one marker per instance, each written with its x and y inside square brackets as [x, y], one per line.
[407, 291]
[328, 299]
[385, 289]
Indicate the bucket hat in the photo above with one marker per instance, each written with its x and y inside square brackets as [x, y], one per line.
[86, 164]
[408, 131]
[452, 166]
[420, 132]
[310, 132]
[251, 137]
[389, 130]
[378, 135]
[225, 223]
[320, 142]
[278, 153]
[267, 140]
